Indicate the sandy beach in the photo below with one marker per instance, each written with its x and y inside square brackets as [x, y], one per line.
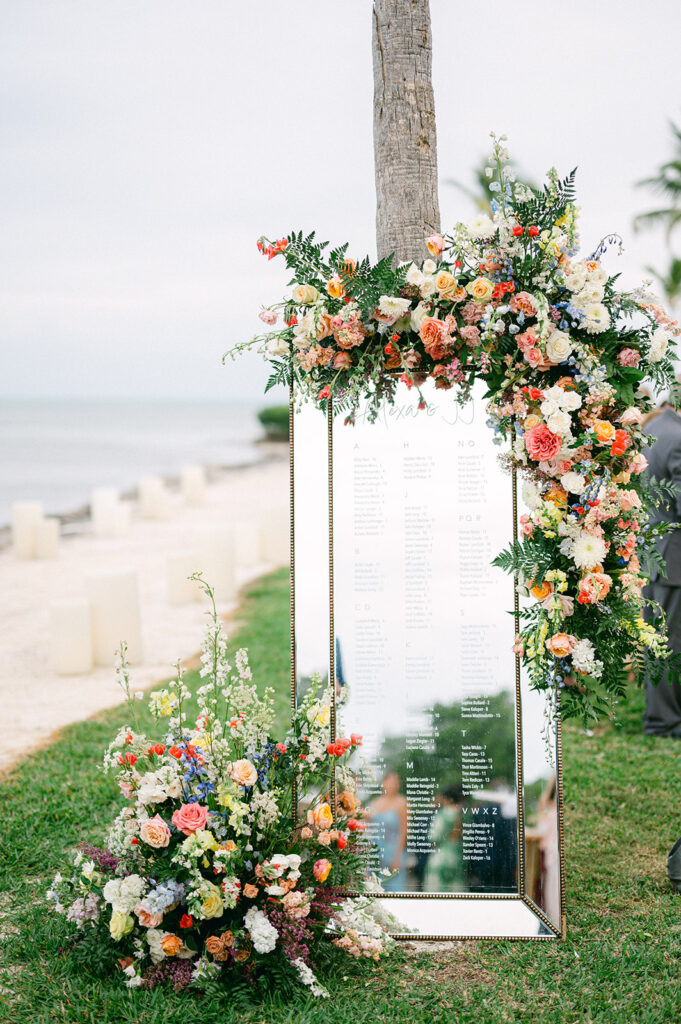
[36, 701]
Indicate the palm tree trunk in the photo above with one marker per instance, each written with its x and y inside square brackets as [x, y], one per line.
[405, 144]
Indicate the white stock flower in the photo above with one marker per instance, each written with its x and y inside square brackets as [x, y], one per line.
[393, 305]
[584, 660]
[658, 345]
[558, 347]
[530, 494]
[481, 227]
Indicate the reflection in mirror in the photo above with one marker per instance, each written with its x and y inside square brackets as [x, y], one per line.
[422, 652]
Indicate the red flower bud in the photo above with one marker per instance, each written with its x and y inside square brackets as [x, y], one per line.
[186, 921]
[533, 232]
[342, 841]
[518, 230]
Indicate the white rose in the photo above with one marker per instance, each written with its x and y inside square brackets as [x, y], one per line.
[429, 267]
[573, 482]
[418, 315]
[558, 347]
[301, 339]
[548, 407]
[427, 287]
[414, 276]
[658, 345]
[598, 277]
[571, 401]
[481, 227]
[393, 305]
[560, 423]
[576, 278]
[278, 347]
[597, 318]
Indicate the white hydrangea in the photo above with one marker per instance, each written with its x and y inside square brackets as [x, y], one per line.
[124, 893]
[263, 934]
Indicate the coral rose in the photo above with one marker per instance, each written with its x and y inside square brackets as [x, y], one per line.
[190, 817]
[541, 443]
[154, 832]
[561, 644]
[243, 772]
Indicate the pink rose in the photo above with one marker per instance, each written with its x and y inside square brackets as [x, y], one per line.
[541, 443]
[631, 416]
[268, 316]
[190, 818]
[629, 500]
[638, 463]
[629, 357]
[146, 917]
[154, 832]
[342, 361]
[526, 527]
[526, 341]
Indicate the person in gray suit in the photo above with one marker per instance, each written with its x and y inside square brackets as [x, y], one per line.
[663, 702]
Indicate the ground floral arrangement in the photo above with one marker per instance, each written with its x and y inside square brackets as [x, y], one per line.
[208, 873]
[506, 299]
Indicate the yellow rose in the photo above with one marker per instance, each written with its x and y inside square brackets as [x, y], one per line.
[243, 772]
[481, 289]
[211, 901]
[120, 924]
[532, 421]
[304, 294]
[335, 287]
[605, 431]
[622, 478]
[446, 284]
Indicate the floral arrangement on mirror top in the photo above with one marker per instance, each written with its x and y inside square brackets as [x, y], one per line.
[562, 352]
[206, 875]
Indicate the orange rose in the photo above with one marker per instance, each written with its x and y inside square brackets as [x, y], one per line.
[170, 944]
[566, 383]
[250, 891]
[561, 644]
[334, 287]
[557, 496]
[541, 590]
[433, 333]
[605, 431]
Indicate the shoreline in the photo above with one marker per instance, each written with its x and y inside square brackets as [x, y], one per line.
[38, 702]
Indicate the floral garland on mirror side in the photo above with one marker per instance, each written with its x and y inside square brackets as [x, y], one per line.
[207, 875]
[562, 351]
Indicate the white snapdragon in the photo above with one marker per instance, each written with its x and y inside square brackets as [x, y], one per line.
[584, 658]
[658, 345]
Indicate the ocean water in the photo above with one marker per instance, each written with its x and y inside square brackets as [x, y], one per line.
[57, 451]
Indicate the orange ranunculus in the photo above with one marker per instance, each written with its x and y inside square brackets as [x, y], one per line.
[605, 431]
[566, 383]
[334, 287]
[557, 496]
[541, 590]
[170, 944]
[561, 644]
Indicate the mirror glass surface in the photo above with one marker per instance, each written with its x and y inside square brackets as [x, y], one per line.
[423, 658]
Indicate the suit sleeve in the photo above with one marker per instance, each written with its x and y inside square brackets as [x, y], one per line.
[675, 474]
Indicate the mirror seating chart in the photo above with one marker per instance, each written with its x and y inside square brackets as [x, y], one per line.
[395, 599]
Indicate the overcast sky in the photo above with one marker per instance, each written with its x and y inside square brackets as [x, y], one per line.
[147, 144]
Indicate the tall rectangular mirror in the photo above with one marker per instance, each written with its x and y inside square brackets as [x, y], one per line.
[395, 598]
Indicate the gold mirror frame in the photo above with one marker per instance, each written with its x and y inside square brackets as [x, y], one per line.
[554, 931]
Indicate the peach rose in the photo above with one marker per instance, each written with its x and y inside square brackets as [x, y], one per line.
[532, 421]
[296, 904]
[306, 833]
[348, 801]
[523, 302]
[190, 818]
[321, 817]
[342, 361]
[629, 500]
[433, 333]
[459, 294]
[145, 916]
[638, 463]
[631, 416]
[154, 832]
[561, 644]
[243, 772]
[605, 431]
[324, 838]
[446, 284]
[541, 443]
[171, 944]
[322, 869]
[250, 891]
[435, 244]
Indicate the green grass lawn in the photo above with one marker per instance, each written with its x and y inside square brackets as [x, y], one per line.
[620, 963]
